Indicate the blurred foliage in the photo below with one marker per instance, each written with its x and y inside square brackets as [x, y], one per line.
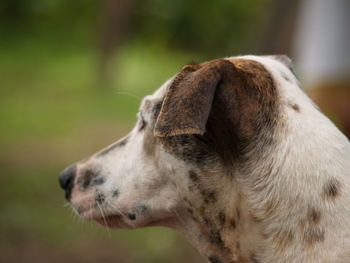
[220, 28]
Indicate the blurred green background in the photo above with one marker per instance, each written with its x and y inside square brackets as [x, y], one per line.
[72, 74]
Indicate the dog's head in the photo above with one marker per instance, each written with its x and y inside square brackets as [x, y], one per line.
[191, 137]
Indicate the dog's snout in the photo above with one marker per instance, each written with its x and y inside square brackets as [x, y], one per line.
[66, 180]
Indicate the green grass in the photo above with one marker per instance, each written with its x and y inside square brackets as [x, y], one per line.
[53, 112]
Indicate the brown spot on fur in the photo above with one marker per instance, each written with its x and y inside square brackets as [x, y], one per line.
[253, 258]
[282, 238]
[255, 217]
[294, 106]
[314, 215]
[222, 218]
[238, 214]
[331, 189]
[313, 234]
[233, 223]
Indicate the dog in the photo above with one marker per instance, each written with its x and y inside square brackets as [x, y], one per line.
[235, 156]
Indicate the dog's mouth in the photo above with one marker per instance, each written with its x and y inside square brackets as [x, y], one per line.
[114, 221]
[120, 220]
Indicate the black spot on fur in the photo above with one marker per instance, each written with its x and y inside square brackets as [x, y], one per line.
[86, 179]
[331, 188]
[115, 193]
[209, 196]
[215, 238]
[190, 211]
[193, 176]
[118, 144]
[214, 259]
[100, 198]
[132, 216]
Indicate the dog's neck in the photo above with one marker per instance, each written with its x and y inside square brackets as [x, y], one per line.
[216, 219]
[242, 217]
[219, 216]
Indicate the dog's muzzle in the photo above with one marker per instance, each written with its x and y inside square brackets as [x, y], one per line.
[66, 180]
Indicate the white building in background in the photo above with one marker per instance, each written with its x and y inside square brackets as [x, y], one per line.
[322, 42]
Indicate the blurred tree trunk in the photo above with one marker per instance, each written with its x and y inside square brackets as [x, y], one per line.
[115, 24]
[279, 32]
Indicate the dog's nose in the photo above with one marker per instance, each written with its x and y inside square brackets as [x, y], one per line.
[66, 179]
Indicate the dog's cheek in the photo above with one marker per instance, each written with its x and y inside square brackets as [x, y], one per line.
[188, 148]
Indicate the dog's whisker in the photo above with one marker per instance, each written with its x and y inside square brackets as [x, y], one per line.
[103, 218]
[74, 214]
[129, 93]
[124, 218]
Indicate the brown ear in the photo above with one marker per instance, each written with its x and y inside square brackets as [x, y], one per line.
[187, 104]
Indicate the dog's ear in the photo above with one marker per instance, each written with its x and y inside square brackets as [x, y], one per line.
[286, 61]
[188, 101]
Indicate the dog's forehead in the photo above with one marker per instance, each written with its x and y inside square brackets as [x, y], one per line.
[149, 101]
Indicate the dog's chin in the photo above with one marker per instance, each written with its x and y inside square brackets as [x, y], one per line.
[117, 222]
[114, 221]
